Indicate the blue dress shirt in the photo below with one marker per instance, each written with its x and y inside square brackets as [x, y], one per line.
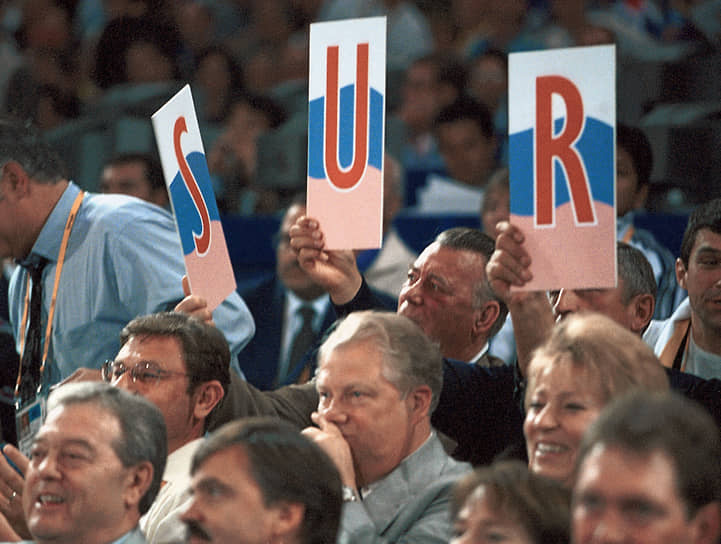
[123, 260]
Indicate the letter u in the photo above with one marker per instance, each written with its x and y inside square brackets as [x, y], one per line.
[350, 177]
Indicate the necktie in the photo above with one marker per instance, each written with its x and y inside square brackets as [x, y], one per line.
[304, 338]
[33, 343]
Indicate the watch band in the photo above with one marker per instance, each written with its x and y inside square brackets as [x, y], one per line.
[349, 494]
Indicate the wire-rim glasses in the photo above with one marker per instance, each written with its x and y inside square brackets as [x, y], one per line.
[145, 372]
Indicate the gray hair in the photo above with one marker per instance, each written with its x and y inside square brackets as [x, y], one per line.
[25, 146]
[476, 241]
[410, 358]
[636, 273]
[143, 435]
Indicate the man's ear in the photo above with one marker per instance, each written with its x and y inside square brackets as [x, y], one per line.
[707, 524]
[486, 317]
[288, 519]
[420, 402]
[639, 199]
[642, 307]
[18, 179]
[207, 395]
[681, 273]
[140, 477]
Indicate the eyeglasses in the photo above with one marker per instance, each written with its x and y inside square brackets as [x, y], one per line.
[145, 372]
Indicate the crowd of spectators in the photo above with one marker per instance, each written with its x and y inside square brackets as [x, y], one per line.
[607, 400]
[64, 61]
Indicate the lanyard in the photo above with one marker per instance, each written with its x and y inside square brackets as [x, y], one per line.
[629, 234]
[51, 311]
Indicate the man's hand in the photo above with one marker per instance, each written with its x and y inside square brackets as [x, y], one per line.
[329, 438]
[11, 488]
[530, 311]
[510, 263]
[335, 270]
[194, 305]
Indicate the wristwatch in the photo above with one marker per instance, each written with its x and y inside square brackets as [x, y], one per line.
[349, 494]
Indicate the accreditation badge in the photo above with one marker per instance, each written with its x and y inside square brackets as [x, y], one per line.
[28, 420]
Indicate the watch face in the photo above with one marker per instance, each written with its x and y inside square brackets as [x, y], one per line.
[349, 494]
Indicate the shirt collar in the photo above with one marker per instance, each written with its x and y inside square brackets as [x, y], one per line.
[293, 303]
[480, 354]
[48, 242]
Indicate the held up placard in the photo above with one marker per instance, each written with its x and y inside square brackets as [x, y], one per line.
[191, 194]
[346, 120]
[562, 123]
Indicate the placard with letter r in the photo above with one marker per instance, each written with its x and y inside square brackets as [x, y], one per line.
[562, 124]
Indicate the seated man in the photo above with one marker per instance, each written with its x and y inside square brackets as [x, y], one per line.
[291, 312]
[690, 340]
[379, 378]
[446, 292]
[135, 174]
[262, 481]
[467, 142]
[182, 366]
[648, 471]
[96, 466]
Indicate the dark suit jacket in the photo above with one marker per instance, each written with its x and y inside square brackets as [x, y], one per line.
[260, 358]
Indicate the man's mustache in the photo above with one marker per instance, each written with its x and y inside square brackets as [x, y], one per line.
[194, 529]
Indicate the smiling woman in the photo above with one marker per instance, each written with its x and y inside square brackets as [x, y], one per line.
[588, 360]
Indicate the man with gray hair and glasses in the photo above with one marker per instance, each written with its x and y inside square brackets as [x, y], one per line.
[96, 466]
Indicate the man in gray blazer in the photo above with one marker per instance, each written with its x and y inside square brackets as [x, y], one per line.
[96, 466]
[379, 377]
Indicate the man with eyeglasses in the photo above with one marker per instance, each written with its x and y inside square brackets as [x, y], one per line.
[182, 365]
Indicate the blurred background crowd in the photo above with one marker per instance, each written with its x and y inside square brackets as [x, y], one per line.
[90, 72]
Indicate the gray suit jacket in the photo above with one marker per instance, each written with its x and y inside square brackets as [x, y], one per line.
[411, 504]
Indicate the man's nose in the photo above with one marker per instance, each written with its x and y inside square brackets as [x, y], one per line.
[192, 512]
[609, 529]
[48, 467]
[124, 381]
[567, 302]
[333, 412]
[413, 292]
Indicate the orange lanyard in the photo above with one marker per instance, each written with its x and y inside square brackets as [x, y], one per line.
[51, 311]
[629, 234]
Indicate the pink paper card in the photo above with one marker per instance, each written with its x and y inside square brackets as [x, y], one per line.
[562, 125]
[346, 122]
[191, 194]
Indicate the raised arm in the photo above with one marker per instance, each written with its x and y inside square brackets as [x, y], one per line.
[531, 311]
[335, 270]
